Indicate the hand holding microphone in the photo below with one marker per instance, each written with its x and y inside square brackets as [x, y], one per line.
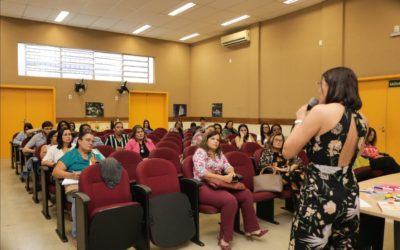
[302, 112]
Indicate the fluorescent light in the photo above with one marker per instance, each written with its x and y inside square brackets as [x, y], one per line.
[289, 1]
[235, 20]
[189, 36]
[63, 14]
[181, 9]
[141, 29]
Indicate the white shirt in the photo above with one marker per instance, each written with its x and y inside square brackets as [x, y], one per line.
[53, 154]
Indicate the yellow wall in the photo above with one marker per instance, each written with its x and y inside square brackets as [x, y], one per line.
[172, 64]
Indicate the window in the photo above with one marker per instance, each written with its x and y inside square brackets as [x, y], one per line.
[51, 61]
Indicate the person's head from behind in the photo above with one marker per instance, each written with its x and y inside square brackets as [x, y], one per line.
[146, 124]
[51, 138]
[264, 129]
[197, 130]
[27, 126]
[47, 126]
[85, 141]
[229, 124]
[371, 136]
[202, 121]
[243, 131]
[63, 124]
[193, 126]
[276, 129]
[118, 128]
[84, 127]
[340, 85]
[64, 137]
[210, 142]
[209, 129]
[276, 142]
[218, 127]
[138, 133]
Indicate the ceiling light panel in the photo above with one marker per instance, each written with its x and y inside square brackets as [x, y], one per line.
[235, 20]
[63, 14]
[141, 29]
[189, 36]
[181, 9]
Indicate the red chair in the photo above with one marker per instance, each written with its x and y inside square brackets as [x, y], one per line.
[154, 138]
[129, 161]
[162, 131]
[304, 158]
[174, 140]
[107, 218]
[174, 134]
[231, 137]
[35, 174]
[172, 145]
[14, 150]
[250, 148]
[127, 131]
[158, 134]
[169, 210]
[187, 143]
[226, 148]
[264, 200]
[189, 151]
[257, 156]
[254, 136]
[169, 155]
[105, 150]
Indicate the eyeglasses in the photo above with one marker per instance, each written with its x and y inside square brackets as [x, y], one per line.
[47, 128]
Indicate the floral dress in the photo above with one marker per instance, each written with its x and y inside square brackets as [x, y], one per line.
[327, 216]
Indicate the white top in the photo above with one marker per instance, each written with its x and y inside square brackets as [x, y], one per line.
[53, 154]
[259, 139]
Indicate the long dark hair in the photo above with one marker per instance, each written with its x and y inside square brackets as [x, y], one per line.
[149, 127]
[49, 136]
[262, 131]
[27, 126]
[373, 142]
[204, 145]
[180, 130]
[61, 123]
[246, 137]
[226, 124]
[60, 143]
[343, 87]
[271, 131]
[82, 126]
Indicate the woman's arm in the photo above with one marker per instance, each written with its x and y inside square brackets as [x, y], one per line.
[239, 141]
[60, 172]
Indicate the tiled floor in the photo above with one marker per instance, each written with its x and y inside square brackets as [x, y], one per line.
[24, 228]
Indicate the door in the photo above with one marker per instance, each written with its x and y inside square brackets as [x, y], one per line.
[152, 106]
[393, 123]
[20, 104]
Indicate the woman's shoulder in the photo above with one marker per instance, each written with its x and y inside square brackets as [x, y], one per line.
[200, 151]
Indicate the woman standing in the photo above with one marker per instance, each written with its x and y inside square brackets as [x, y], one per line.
[209, 161]
[139, 142]
[333, 131]
[244, 136]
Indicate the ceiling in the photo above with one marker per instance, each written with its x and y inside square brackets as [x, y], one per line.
[125, 16]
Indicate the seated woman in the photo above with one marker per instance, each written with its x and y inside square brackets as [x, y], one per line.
[228, 130]
[72, 163]
[378, 160]
[218, 128]
[55, 152]
[139, 142]
[262, 138]
[63, 124]
[292, 170]
[178, 127]
[118, 140]
[209, 161]
[275, 128]
[146, 127]
[51, 140]
[198, 137]
[244, 136]
[27, 132]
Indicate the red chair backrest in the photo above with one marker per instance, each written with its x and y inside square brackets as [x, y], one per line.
[231, 136]
[158, 134]
[105, 150]
[242, 164]
[226, 148]
[129, 161]
[92, 184]
[257, 156]
[25, 141]
[189, 151]
[254, 136]
[169, 155]
[15, 135]
[187, 168]
[154, 138]
[174, 140]
[173, 134]
[250, 148]
[37, 152]
[187, 144]
[162, 131]
[304, 158]
[158, 174]
[168, 144]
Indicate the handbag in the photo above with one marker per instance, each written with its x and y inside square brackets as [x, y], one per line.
[267, 182]
[220, 184]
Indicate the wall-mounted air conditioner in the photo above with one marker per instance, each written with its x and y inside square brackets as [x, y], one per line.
[236, 38]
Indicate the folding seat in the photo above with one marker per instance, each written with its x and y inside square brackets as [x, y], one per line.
[14, 150]
[168, 210]
[250, 148]
[105, 150]
[264, 200]
[48, 189]
[129, 161]
[154, 138]
[107, 218]
[225, 148]
[169, 144]
[192, 189]
[189, 151]
[169, 155]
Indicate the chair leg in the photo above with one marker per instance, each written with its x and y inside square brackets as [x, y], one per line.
[35, 186]
[27, 182]
[265, 211]
[196, 237]
[45, 196]
[60, 211]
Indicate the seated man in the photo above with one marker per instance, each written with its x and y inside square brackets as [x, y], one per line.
[118, 140]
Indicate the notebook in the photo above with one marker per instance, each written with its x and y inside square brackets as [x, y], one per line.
[389, 206]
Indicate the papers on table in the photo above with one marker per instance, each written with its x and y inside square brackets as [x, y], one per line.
[69, 182]
[364, 203]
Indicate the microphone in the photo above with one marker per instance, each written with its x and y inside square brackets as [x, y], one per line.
[311, 103]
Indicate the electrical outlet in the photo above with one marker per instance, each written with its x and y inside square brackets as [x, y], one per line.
[116, 98]
[396, 28]
[69, 97]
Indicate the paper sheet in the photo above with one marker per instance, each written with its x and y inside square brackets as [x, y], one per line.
[69, 182]
[364, 203]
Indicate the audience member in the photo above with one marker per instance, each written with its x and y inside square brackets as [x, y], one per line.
[218, 128]
[209, 161]
[118, 140]
[139, 142]
[84, 127]
[198, 137]
[27, 132]
[262, 138]
[228, 130]
[63, 124]
[192, 127]
[178, 127]
[276, 128]
[244, 136]
[62, 146]
[203, 122]
[146, 126]
[39, 138]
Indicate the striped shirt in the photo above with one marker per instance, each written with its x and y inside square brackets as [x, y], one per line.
[115, 143]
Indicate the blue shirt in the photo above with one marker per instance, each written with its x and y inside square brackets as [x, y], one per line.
[74, 162]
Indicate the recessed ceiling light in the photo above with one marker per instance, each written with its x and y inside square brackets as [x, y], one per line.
[181, 9]
[141, 29]
[63, 14]
[237, 19]
[289, 1]
[189, 36]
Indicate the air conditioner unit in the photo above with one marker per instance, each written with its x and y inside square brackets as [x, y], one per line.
[236, 38]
